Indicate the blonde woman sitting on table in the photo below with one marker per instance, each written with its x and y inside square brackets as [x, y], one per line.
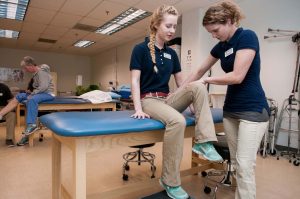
[152, 64]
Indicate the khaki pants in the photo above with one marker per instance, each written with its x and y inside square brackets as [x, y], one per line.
[168, 112]
[10, 119]
[244, 138]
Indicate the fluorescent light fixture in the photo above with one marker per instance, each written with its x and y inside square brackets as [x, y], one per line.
[13, 9]
[9, 34]
[127, 18]
[83, 43]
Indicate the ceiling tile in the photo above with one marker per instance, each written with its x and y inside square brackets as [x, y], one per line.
[107, 11]
[92, 21]
[42, 45]
[65, 20]
[49, 36]
[127, 2]
[54, 19]
[95, 36]
[10, 24]
[33, 27]
[128, 32]
[153, 4]
[39, 15]
[78, 7]
[73, 34]
[28, 37]
[47, 4]
[55, 30]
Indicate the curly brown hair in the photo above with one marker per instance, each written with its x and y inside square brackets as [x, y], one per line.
[221, 12]
[28, 61]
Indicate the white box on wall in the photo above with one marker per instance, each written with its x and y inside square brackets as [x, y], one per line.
[79, 80]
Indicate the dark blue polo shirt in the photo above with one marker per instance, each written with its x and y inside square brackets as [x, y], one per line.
[248, 95]
[5, 94]
[167, 63]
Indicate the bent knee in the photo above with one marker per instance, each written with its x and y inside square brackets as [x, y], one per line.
[179, 121]
[199, 86]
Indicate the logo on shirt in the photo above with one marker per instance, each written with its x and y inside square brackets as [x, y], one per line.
[167, 55]
[228, 52]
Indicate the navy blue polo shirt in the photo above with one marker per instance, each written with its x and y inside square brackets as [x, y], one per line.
[248, 95]
[5, 94]
[167, 63]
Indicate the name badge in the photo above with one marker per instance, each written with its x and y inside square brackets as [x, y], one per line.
[168, 56]
[228, 52]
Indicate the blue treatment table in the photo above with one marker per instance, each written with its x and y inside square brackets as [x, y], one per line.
[84, 132]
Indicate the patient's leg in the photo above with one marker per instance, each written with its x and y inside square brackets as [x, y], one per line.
[9, 107]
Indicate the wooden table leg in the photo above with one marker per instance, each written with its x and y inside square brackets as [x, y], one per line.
[18, 114]
[56, 168]
[79, 170]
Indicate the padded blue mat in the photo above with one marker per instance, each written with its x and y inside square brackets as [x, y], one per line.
[77, 124]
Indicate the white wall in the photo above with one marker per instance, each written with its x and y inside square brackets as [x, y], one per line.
[66, 66]
[113, 65]
[278, 56]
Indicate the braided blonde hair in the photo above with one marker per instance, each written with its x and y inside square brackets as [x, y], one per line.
[156, 19]
[221, 12]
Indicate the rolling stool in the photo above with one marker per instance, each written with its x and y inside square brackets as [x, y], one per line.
[139, 157]
[227, 174]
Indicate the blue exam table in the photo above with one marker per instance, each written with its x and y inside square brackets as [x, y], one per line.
[84, 132]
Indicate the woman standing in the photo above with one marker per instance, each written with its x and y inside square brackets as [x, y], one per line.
[246, 111]
[152, 64]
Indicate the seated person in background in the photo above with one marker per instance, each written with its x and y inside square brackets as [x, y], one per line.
[42, 91]
[10, 117]
[111, 86]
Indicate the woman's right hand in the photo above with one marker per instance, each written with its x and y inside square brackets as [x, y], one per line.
[140, 115]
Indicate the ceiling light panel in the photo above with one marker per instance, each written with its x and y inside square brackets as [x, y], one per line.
[9, 34]
[13, 9]
[83, 43]
[125, 19]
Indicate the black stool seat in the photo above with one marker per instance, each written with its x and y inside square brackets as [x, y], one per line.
[143, 146]
[222, 147]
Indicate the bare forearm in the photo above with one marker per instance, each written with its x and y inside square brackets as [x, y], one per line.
[136, 97]
[226, 79]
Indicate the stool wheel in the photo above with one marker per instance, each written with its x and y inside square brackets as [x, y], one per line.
[127, 167]
[296, 163]
[207, 190]
[41, 137]
[125, 177]
[204, 173]
[273, 153]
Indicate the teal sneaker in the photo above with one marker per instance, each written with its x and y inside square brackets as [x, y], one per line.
[24, 140]
[31, 128]
[174, 192]
[208, 151]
